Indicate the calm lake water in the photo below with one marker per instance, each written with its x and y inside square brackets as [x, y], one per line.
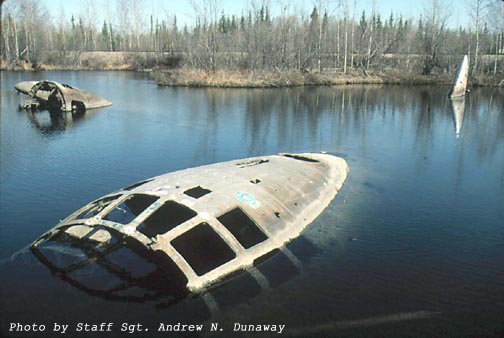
[413, 246]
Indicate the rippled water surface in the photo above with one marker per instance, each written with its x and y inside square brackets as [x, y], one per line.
[412, 246]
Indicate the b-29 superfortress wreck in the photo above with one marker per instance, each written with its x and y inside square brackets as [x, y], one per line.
[183, 232]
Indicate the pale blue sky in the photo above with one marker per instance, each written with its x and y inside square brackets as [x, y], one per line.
[185, 12]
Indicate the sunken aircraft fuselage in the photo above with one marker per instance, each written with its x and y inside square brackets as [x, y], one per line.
[187, 230]
[54, 95]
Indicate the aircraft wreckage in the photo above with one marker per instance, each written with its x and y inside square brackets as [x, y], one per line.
[54, 95]
[184, 231]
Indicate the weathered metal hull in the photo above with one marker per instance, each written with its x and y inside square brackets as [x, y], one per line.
[60, 96]
[460, 83]
[202, 223]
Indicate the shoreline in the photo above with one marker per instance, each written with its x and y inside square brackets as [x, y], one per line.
[186, 77]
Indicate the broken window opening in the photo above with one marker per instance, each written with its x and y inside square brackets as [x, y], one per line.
[301, 158]
[197, 192]
[78, 106]
[242, 228]
[55, 99]
[137, 184]
[129, 209]
[96, 207]
[165, 218]
[203, 249]
[48, 95]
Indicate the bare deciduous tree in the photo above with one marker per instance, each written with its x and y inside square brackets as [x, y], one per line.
[327, 35]
[371, 29]
[435, 22]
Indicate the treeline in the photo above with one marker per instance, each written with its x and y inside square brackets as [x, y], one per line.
[331, 36]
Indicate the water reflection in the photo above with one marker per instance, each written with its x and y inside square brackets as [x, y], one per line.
[303, 119]
[418, 226]
[122, 270]
[458, 108]
[486, 122]
[51, 122]
[118, 269]
[313, 118]
[414, 123]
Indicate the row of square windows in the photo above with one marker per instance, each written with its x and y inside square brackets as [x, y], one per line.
[201, 246]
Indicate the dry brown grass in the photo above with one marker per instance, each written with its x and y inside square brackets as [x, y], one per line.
[20, 66]
[220, 78]
[261, 79]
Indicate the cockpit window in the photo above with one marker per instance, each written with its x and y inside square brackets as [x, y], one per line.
[242, 228]
[203, 248]
[197, 192]
[165, 218]
[130, 208]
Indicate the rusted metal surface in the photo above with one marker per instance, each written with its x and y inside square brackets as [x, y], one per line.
[197, 225]
[54, 95]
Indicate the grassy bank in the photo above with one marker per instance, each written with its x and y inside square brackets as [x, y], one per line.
[289, 78]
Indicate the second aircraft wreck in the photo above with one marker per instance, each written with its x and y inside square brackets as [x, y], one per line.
[186, 230]
[54, 95]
